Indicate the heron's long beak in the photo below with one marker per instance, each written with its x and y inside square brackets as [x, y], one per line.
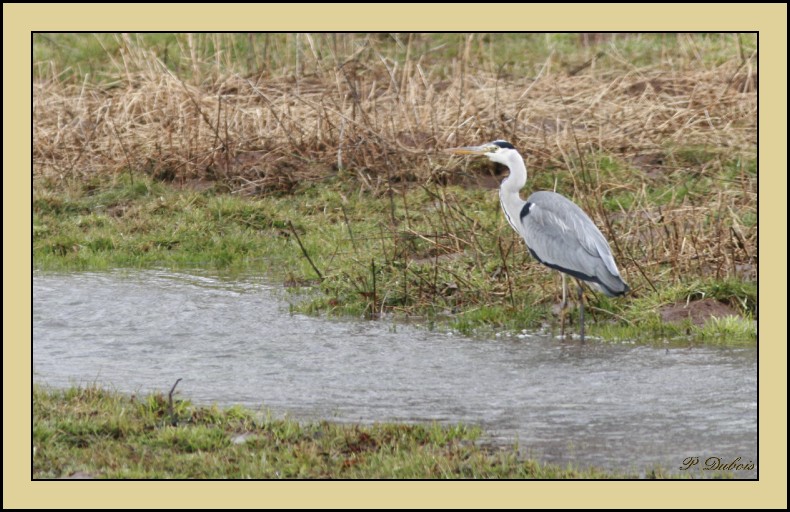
[470, 150]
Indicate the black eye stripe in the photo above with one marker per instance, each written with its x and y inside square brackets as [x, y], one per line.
[503, 144]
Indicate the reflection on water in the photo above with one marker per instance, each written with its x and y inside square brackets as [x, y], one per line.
[616, 406]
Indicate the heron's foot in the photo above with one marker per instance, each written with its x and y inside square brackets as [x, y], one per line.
[561, 310]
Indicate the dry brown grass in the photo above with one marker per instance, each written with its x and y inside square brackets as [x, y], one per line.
[376, 117]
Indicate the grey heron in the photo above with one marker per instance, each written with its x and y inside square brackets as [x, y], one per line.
[557, 232]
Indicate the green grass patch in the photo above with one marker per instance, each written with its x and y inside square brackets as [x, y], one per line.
[102, 56]
[108, 435]
[642, 319]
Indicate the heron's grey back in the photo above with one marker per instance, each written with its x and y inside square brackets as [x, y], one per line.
[562, 236]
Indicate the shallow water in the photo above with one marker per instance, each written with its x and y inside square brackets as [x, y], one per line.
[616, 406]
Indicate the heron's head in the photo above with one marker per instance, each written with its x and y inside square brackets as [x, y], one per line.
[498, 151]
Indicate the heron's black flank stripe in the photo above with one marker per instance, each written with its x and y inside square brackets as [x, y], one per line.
[503, 144]
[577, 275]
[525, 211]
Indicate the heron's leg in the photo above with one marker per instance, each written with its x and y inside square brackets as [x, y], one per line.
[581, 311]
[563, 305]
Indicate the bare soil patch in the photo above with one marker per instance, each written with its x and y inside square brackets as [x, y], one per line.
[698, 311]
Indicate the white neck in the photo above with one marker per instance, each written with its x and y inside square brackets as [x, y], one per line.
[509, 190]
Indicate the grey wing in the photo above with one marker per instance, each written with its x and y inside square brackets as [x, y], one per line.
[560, 235]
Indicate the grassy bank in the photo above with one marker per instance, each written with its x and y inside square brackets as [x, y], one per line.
[451, 259]
[93, 433]
[317, 159]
